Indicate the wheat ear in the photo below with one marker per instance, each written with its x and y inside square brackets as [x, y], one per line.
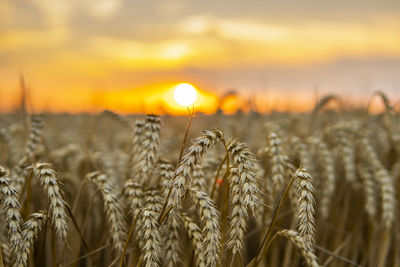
[133, 193]
[152, 202]
[34, 137]
[135, 149]
[9, 200]
[113, 209]
[385, 182]
[194, 234]
[305, 219]
[30, 232]
[244, 193]
[172, 240]
[298, 241]
[148, 153]
[192, 156]
[58, 207]
[5, 250]
[301, 153]
[369, 191]
[11, 145]
[348, 157]
[210, 226]
[198, 181]
[165, 171]
[327, 175]
[276, 162]
[150, 236]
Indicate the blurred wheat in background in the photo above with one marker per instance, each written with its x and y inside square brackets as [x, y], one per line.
[314, 189]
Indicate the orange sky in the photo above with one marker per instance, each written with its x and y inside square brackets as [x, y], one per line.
[127, 56]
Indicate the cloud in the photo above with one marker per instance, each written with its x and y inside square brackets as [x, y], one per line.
[22, 40]
[6, 12]
[56, 12]
[102, 8]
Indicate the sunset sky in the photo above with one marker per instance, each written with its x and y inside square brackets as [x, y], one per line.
[128, 55]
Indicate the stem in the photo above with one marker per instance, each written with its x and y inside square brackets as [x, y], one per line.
[28, 193]
[86, 255]
[140, 261]
[384, 247]
[185, 137]
[261, 249]
[184, 141]
[217, 175]
[54, 247]
[334, 255]
[85, 222]
[74, 206]
[224, 226]
[270, 242]
[121, 263]
[162, 218]
[224, 217]
[1, 257]
[220, 167]
[77, 228]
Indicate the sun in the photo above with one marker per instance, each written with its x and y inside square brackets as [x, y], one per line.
[185, 94]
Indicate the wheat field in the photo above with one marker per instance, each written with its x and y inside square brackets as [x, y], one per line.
[315, 189]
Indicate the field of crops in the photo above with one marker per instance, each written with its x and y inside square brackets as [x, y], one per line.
[316, 189]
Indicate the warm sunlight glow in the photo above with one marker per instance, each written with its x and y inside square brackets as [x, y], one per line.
[185, 94]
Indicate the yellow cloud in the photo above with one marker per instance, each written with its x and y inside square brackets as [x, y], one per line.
[102, 8]
[28, 39]
[56, 12]
[260, 42]
[143, 55]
